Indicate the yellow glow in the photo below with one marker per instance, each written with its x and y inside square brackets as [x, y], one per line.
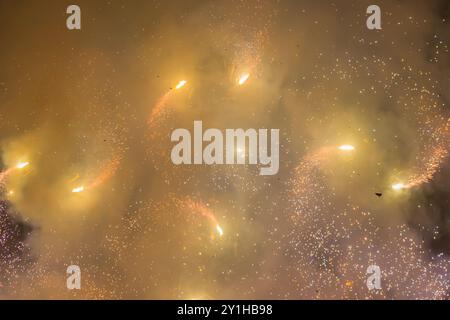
[78, 189]
[398, 186]
[199, 297]
[219, 230]
[22, 165]
[181, 84]
[346, 147]
[243, 79]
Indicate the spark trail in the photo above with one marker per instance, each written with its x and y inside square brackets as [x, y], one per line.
[202, 209]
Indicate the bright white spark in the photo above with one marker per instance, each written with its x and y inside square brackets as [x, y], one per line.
[347, 147]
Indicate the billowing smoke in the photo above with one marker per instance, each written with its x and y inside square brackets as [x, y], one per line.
[76, 106]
